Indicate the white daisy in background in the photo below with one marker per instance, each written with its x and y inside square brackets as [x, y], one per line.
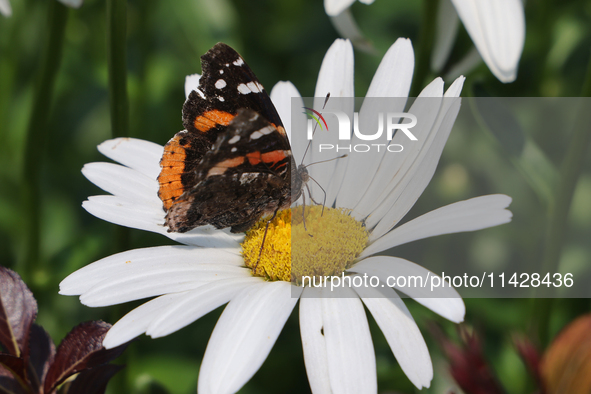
[208, 271]
[497, 28]
[6, 9]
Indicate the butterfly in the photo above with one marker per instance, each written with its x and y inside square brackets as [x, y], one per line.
[233, 162]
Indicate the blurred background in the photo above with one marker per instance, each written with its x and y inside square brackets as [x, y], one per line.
[280, 41]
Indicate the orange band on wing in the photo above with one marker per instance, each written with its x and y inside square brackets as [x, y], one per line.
[274, 156]
[212, 118]
[173, 165]
[222, 166]
[254, 158]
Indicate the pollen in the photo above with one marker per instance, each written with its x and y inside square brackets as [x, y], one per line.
[273, 259]
[325, 242]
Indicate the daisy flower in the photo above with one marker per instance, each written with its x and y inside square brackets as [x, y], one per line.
[497, 28]
[209, 270]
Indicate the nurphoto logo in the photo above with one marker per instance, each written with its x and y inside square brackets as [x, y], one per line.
[394, 121]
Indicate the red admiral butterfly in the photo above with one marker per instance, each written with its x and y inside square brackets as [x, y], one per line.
[233, 163]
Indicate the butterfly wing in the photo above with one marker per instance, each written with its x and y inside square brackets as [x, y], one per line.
[226, 85]
[243, 177]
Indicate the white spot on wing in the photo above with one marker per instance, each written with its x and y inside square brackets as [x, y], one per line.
[221, 71]
[234, 139]
[239, 62]
[267, 130]
[259, 133]
[255, 86]
[234, 149]
[220, 98]
[220, 84]
[251, 87]
[243, 89]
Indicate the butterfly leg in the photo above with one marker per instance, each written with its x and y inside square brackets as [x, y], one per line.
[264, 237]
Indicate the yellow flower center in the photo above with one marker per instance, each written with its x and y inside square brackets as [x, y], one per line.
[325, 243]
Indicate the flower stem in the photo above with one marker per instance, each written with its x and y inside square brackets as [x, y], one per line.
[119, 106]
[116, 40]
[37, 131]
[118, 99]
[559, 209]
[426, 38]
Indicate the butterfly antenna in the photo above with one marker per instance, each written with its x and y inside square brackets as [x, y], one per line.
[314, 131]
[324, 161]
[305, 166]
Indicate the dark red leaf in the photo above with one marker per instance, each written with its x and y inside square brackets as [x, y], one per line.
[94, 381]
[81, 349]
[468, 366]
[8, 383]
[18, 310]
[42, 352]
[530, 356]
[15, 365]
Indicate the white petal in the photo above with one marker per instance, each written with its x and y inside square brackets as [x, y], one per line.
[443, 300]
[150, 217]
[394, 74]
[421, 172]
[167, 278]
[5, 8]
[208, 236]
[168, 313]
[336, 72]
[351, 357]
[456, 87]
[191, 83]
[469, 215]
[72, 3]
[123, 182]
[445, 36]
[335, 7]
[497, 28]
[143, 156]
[314, 341]
[391, 80]
[197, 303]
[284, 95]
[244, 336]
[136, 322]
[127, 213]
[345, 25]
[393, 168]
[398, 170]
[137, 260]
[401, 332]
[335, 77]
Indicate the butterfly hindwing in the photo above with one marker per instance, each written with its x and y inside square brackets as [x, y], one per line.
[243, 177]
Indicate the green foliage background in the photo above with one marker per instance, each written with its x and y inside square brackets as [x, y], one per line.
[281, 41]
